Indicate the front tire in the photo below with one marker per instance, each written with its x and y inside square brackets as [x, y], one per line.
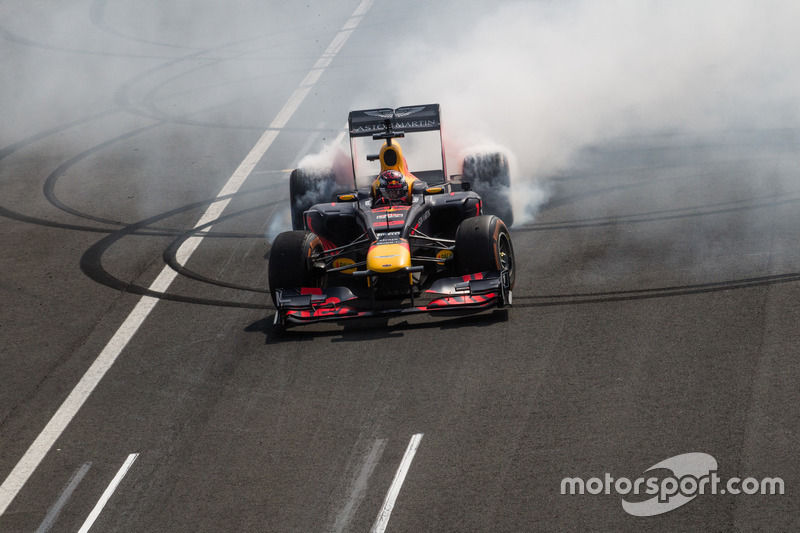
[291, 261]
[483, 244]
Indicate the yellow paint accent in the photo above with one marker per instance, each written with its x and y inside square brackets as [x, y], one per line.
[386, 258]
[346, 197]
[344, 261]
[434, 190]
[401, 166]
[444, 254]
[401, 160]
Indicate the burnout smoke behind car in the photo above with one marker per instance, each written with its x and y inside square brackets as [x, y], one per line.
[547, 79]
[542, 79]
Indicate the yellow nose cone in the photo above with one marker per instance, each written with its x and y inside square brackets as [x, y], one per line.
[386, 258]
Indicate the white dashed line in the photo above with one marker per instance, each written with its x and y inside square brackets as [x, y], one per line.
[62, 500]
[55, 427]
[101, 503]
[394, 490]
[360, 487]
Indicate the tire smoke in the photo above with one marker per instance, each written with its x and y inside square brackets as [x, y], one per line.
[547, 79]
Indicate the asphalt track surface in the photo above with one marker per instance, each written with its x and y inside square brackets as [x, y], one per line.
[656, 308]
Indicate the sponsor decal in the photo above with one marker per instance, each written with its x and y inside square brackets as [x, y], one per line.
[370, 128]
[466, 300]
[381, 113]
[383, 209]
[405, 111]
[691, 475]
[444, 255]
[383, 242]
[322, 312]
[399, 125]
[384, 223]
[414, 124]
[344, 261]
[392, 113]
[389, 240]
[425, 216]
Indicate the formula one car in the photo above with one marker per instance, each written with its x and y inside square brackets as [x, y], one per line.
[407, 242]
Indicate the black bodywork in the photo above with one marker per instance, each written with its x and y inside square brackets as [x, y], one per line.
[429, 224]
[349, 226]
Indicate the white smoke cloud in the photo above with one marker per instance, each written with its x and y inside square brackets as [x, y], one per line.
[545, 79]
[280, 221]
[540, 79]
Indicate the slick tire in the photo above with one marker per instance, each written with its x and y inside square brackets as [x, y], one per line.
[308, 187]
[490, 177]
[482, 244]
[290, 261]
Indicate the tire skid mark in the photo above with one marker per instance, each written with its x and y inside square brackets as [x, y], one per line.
[765, 202]
[657, 292]
[91, 262]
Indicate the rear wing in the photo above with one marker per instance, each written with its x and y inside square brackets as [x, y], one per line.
[387, 123]
[403, 119]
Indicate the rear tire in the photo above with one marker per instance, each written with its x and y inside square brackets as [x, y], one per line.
[290, 261]
[308, 187]
[482, 244]
[490, 177]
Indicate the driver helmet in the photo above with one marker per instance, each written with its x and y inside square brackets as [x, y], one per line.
[392, 186]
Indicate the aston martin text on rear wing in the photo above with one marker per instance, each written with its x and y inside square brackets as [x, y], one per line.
[405, 119]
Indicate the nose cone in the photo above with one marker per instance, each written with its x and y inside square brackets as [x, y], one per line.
[387, 258]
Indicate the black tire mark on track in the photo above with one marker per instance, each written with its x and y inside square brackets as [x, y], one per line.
[19, 145]
[123, 100]
[663, 215]
[122, 93]
[50, 183]
[11, 37]
[97, 14]
[657, 292]
[91, 264]
[149, 232]
[53, 177]
[573, 198]
[149, 100]
[13, 215]
[170, 254]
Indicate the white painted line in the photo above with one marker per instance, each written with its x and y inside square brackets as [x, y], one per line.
[39, 448]
[265, 172]
[101, 503]
[55, 427]
[388, 503]
[52, 515]
[360, 487]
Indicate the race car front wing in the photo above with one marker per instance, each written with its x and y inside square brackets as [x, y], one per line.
[468, 294]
